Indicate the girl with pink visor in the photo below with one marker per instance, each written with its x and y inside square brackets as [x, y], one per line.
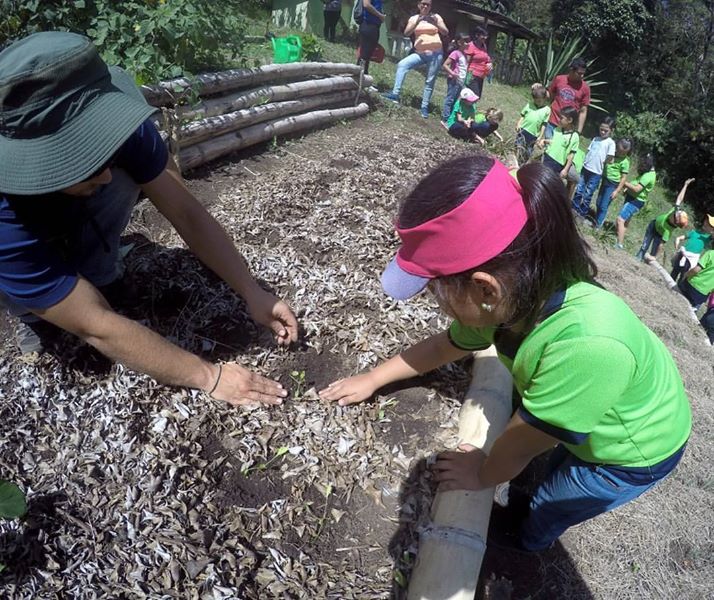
[504, 260]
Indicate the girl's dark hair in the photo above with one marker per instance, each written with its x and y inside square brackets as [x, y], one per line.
[459, 37]
[477, 31]
[569, 112]
[624, 144]
[609, 121]
[646, 163]
[548, 254]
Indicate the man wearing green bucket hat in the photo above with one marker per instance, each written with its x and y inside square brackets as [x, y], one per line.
[76, 149]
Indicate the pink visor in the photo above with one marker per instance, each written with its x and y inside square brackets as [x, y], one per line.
[467, 236]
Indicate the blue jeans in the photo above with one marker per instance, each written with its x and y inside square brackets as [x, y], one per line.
[653, 238]
[630, 208]
[97, 242]
[603, 200]
[452, 93]
[433, 62]
[573, 492]
[584, 192]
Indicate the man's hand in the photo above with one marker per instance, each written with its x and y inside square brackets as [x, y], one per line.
[239, 386]
[351, 390]
[275, 314]
[459, 470]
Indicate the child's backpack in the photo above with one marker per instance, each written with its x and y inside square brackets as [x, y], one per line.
[358, 11]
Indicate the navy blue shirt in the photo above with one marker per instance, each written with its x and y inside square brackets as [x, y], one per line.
[368, 17]
[35, 270]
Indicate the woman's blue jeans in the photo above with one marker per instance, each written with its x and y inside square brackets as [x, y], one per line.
[584, 192]
[573, 492]
[432, 60]
[652, 238]
[603, 200]
[452, 93]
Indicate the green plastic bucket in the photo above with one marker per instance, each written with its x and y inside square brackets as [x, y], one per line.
[287, 49]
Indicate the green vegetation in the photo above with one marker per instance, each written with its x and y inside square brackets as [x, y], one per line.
[152, 39]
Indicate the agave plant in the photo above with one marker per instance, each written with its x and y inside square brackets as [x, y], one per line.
[547, 62]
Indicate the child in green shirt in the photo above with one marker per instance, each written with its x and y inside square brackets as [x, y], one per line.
[699, 282]
[636, 197]
[614, 180]
[563, 146]
[531, 125]
[660, 229]
[695, 243]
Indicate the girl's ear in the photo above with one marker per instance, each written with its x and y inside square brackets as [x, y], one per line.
[488, 287]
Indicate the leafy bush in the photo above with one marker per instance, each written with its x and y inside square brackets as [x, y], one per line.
[648, 130]
[311, 47]
[153, 39]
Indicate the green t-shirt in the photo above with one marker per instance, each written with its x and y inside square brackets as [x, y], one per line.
[563, 144]
[578, 160]
[594, 376]
[534, 118]
[617, 168]
[696, 241]
[647, 181]
[664, 227]
[704, 280]
[467, 110]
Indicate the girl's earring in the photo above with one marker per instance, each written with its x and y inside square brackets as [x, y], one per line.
[487, 307]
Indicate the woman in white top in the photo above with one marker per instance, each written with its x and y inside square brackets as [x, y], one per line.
[427, 28]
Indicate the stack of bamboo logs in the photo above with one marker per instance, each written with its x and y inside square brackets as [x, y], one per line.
[214, 114]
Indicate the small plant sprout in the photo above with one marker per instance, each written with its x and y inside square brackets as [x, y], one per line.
[383, 406]
[12, 504]
[263, 466]
[298, 378]
[328, 493]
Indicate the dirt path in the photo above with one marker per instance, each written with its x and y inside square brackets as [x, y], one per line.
[138, 490]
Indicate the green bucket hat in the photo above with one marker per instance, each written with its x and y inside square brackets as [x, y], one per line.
[63, 112]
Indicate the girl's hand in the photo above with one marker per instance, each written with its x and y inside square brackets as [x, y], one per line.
[540, 143]
[614, 195]
[459, 470]
[689, 181]
[351, 390]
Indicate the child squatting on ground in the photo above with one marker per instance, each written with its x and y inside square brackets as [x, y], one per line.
[601, 152]
[504, 260]
[614, 180]
[695, 242]
[660, 228]
[698, 283]
[531, 126]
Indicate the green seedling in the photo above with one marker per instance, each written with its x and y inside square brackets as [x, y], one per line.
[298, 378]
[383, 406]
[328, 493]
[263, 466]
[400, 579]
[12, 504]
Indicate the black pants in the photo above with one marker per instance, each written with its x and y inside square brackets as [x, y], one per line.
[678, 269]
[332, 17]
[476, 85]
[707, 322]
[368, 40]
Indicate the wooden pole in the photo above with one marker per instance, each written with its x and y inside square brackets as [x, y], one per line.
[224, 144]
[451, 548]
[290, 91]
[198, 131]
[166, 92]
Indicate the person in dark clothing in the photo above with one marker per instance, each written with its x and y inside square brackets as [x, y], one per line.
[332, 16]
[372, 18]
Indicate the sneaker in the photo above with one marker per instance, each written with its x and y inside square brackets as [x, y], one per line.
[425, 113]
[392, 97]
[619, 246]
[34, 337]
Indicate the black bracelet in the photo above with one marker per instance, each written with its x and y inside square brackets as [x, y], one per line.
[215, 385]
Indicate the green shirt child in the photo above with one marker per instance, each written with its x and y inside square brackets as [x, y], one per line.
[562, 144]
[617, 168]
[534, 118]
[467, 110]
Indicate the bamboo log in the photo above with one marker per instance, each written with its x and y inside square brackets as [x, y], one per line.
[205, 151]
[206, 84]
[199, 131]
[275, 93]
[451, 548]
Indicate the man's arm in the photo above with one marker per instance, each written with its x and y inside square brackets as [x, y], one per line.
[211, 244]
[582, 115]
[85, 313]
